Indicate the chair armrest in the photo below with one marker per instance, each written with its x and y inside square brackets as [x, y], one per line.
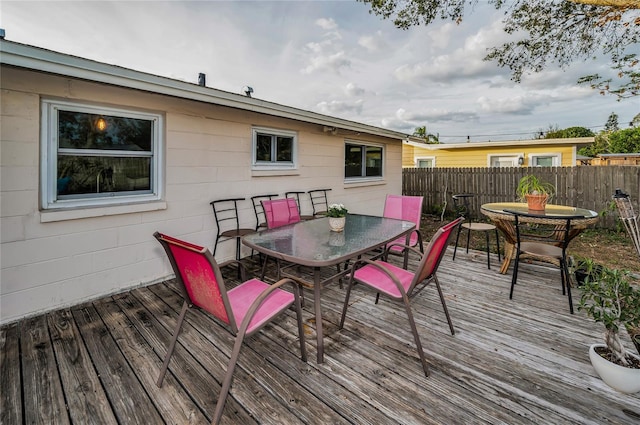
[251, 311]
[410, 248]
[383, 269]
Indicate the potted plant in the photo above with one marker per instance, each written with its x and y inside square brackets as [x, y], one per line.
[534, 192]
[337, 214]
[610, 298]
[586, 268]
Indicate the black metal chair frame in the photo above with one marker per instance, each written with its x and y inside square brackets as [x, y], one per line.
[261, 220]
[225, 211]
[296, 195]
[319, 201]
[544, 246]
[461, 205]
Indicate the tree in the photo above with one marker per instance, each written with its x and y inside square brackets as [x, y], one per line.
[421, 132]
[546, 31]
[625, 141]
[621, 141]
[612, 123]
[569, 132]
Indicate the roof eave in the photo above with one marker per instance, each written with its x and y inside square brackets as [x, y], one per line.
[43, 60]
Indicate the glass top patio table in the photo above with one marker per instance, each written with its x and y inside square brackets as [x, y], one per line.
[498, 213]
[311, 243]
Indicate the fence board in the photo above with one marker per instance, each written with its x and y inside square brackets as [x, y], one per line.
[586, 187]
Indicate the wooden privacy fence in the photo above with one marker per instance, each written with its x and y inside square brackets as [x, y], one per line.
[585, 187]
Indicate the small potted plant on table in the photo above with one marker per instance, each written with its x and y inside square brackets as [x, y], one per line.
[609, 297]
[337, 214]
[534, 192]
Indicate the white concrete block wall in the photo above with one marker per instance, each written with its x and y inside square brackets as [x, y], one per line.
[49, 265]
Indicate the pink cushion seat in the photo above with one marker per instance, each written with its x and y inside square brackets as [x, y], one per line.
[377, 279]
[241, 297]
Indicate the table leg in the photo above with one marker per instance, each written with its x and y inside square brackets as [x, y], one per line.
[509, 249]
[316, 302]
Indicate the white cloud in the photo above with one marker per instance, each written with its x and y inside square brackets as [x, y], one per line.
[326, 24]
[339, 107]
[352, 90]
[333, 62]
[373, 43]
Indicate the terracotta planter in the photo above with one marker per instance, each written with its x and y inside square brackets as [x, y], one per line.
[536, 202]
[337, 223]
[620, 378]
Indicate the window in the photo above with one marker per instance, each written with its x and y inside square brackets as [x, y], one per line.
[97, 156]
[363, 161]
[274, 149]
[503, 160]
[427, 162]
[545, 160]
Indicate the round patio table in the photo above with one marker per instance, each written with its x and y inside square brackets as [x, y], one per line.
[505, 222]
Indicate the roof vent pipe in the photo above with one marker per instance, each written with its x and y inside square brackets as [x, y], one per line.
[202, 79]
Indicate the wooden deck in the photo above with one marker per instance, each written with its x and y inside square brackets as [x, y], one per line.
[522, 361]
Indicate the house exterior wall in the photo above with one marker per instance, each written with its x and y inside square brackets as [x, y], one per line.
[478, 156]
[51, 260]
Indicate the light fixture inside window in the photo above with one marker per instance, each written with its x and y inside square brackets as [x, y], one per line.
[520, 160]
[101, 124]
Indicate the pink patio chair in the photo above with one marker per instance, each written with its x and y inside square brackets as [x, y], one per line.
[244, 309]
[407, 208]
[280, 212]
[403, 285]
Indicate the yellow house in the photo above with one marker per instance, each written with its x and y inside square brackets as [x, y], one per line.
[513, 153]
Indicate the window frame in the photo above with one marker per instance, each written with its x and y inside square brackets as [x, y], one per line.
[512, 156]
[425, 158]
[365, 178]
[49, 156]
[273, 165]
[556, 159]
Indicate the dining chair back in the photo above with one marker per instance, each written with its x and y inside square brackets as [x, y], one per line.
[225, 212]
[463, 207]
[403, 285]
[244, 310]
[543, 239]
[319, 202]
[280, 212]
[408, 208]
[296, 195]
[256, 201]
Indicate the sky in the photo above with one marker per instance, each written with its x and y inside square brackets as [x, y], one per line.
[330, 57]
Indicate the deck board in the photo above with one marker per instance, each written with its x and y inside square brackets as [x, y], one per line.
[520, 361]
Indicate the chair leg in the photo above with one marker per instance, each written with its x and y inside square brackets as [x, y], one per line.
[346, 303]
[455, 248]
[486, 234]
[296, 292]
[468, 239]
[444, 304]
[226, 383]
[215, 245]
[498, 243]
[416, 337]
[568, 282]
[172, 344]
[515, 273]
